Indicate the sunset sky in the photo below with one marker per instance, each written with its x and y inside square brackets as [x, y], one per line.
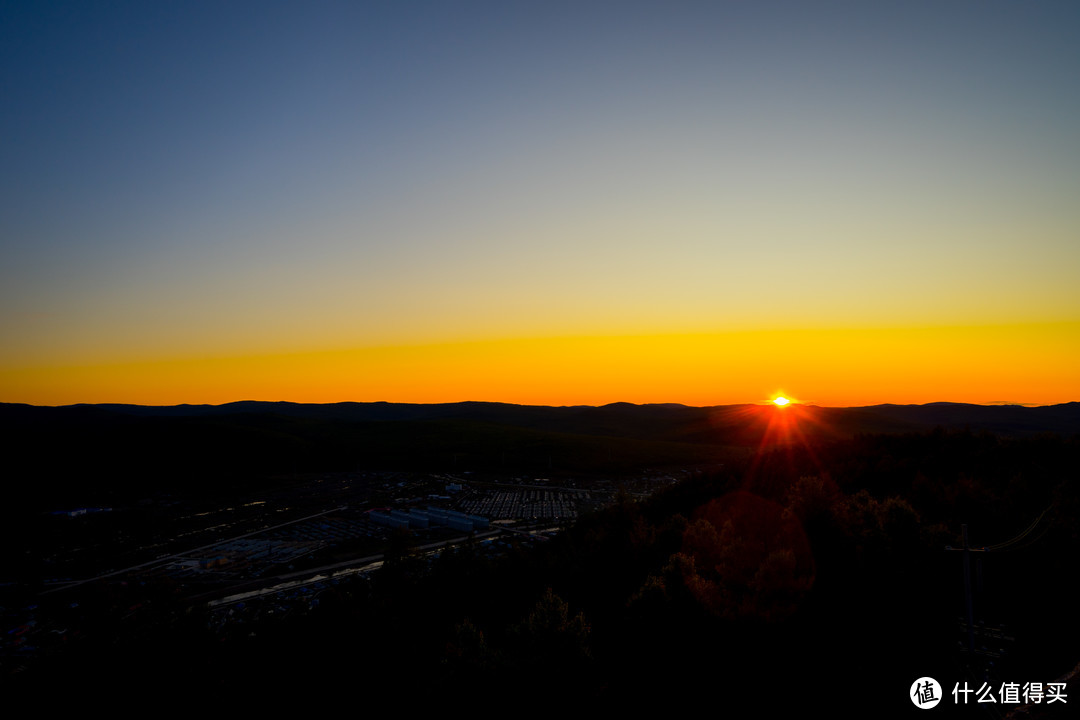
[548, 203]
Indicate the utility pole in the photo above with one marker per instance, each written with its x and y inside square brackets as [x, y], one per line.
[969, 600]
[986, 634]
[967, 591]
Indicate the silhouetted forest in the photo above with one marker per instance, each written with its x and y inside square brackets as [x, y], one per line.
[804, 574]
[113, 454]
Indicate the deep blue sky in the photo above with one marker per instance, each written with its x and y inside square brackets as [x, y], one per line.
[199, 179]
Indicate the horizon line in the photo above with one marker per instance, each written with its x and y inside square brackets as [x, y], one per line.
[766, 403]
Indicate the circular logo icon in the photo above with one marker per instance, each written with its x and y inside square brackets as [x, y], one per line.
[925, 693]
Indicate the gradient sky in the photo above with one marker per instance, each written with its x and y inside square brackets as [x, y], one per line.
[553, 203]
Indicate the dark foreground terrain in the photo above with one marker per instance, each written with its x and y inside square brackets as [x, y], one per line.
[764, 563]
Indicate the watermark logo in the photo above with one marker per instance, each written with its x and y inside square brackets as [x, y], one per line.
[1011, 693]
[925, 693]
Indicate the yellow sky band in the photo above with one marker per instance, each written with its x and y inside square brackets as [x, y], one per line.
[1029, 363]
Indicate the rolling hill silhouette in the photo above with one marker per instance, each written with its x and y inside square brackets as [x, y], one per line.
[70, 449]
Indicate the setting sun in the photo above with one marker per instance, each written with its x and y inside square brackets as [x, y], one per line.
[781, 401]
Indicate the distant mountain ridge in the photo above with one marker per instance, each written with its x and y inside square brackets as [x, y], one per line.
[112, 453]
[619, 419]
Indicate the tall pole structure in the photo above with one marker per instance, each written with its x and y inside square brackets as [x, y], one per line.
[967, 591]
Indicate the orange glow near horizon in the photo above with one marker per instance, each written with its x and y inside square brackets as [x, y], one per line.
[688, 208]
[1032, 364]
